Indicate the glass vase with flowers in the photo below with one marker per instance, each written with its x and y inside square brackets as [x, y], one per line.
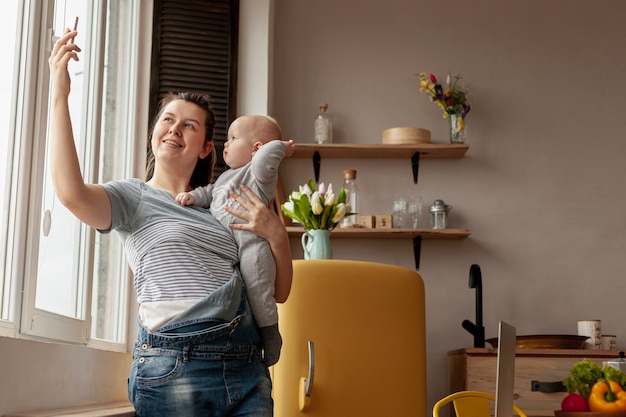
[453, 100]
[319, 211]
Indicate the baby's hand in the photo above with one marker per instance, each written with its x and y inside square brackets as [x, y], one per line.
[186, 199]
[290, 147]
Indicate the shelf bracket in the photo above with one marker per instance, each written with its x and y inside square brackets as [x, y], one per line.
[317, 162]
[417, 250]
[415, 164]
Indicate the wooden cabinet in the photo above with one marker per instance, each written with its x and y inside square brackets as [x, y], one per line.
[535, 369]
[412, 153]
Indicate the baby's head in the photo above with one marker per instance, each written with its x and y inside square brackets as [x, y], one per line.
[246, 135]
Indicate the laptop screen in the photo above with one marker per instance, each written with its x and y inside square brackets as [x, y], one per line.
[505, 373]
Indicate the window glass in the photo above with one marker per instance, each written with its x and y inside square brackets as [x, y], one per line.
[60, 283]
[9, 31]
[110, 286]
[56, 281]
[64, 272]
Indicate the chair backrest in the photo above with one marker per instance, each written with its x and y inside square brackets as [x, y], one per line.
[470, 404]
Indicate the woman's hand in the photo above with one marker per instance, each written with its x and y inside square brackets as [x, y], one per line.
[266, 224]
[60, 56]
[260, 218]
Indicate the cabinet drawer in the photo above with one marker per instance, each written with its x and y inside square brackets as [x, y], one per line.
[475, 369]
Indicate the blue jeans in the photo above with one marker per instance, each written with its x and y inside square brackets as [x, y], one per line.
[203, 363]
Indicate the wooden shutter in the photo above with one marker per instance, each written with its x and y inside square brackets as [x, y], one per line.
[194, 48]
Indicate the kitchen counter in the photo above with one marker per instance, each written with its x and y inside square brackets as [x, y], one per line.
[475, 369]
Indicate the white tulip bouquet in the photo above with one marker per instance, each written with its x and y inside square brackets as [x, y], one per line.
[317, 209]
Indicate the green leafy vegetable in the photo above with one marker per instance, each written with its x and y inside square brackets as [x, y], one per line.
[582, 377]
[612, 374]
[585, 374]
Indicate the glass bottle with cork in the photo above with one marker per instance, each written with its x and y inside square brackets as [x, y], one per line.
[323, 126]
[352, 197]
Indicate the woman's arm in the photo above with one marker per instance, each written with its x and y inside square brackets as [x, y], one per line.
[89, 202]
[266, 224]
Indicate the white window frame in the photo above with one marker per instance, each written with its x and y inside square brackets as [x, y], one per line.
[37, 322]
[20, 268]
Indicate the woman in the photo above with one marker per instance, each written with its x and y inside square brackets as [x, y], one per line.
[198, 347]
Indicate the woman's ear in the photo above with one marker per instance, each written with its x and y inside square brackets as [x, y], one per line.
[208, 147]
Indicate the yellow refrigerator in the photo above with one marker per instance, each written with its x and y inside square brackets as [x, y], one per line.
[353, 342]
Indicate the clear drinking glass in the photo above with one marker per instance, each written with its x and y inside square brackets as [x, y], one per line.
[399, 211]
[414, 211]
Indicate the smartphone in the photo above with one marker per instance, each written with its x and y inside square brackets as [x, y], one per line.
[75, 26]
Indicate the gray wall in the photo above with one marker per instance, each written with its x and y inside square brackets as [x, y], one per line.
[39, 375]
[542, 185]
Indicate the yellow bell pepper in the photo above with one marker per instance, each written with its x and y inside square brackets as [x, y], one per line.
[607, 396]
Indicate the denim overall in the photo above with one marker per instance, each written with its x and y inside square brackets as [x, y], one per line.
[204, 362]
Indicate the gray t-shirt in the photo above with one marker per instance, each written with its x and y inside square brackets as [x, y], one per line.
[175, 252]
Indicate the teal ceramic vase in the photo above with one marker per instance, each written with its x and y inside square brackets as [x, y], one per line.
[316, 244]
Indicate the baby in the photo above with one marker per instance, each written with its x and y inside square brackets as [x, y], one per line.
[253, 151]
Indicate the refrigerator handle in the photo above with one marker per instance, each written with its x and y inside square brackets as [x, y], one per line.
[309, 379]
[306, 384]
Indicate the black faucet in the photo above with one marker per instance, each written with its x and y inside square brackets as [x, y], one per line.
[478, 330]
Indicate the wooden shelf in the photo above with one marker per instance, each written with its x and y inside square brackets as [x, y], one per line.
[363, 233]
[412, 152]
[354, 150]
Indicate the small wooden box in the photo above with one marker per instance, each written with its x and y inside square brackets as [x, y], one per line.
[383, 221]
[365, 221]
[475, 369]
[404, 135]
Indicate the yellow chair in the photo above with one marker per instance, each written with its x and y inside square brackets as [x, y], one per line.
[470, 404]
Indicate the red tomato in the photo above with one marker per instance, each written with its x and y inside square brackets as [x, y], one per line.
[574, 402]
